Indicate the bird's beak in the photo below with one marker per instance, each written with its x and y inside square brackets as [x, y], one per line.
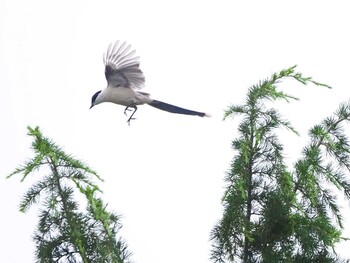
[91, 106]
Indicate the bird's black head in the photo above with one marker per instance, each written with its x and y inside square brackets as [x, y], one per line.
[94, 98]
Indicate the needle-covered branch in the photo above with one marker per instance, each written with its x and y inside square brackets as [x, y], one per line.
[268, 90]
[65, 232]
[272, 213]
[325, 165]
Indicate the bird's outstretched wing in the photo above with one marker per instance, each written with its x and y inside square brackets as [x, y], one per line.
[122, 67]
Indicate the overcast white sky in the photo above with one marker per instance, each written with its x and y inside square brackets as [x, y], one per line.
[165, 172]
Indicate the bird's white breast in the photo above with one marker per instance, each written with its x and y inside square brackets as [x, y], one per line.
[122, 96]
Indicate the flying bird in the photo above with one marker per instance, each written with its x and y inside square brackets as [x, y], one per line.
[124, 81]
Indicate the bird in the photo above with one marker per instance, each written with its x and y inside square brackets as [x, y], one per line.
[124, 81]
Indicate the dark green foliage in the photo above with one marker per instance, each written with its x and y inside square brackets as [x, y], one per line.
[66, 233]
[272, 213]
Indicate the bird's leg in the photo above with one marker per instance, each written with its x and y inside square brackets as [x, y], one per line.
[127, 109]
[131, 118]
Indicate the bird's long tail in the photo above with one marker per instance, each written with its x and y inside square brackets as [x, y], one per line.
[175, 109]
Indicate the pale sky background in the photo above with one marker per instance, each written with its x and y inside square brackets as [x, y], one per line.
[165, 172]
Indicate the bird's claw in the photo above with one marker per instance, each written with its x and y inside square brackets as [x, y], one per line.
[130, 119]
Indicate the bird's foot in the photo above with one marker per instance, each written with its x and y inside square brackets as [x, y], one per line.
[130, 119]
[131, 116]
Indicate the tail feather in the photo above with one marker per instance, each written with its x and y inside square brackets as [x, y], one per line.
[175, 109]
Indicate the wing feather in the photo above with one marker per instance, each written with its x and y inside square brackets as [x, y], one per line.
[122, 66]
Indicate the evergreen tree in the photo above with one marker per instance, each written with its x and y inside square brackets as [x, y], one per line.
[272, 213]
[66, 233]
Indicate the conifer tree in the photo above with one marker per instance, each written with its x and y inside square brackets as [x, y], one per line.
[66, 232]
[272, 213]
